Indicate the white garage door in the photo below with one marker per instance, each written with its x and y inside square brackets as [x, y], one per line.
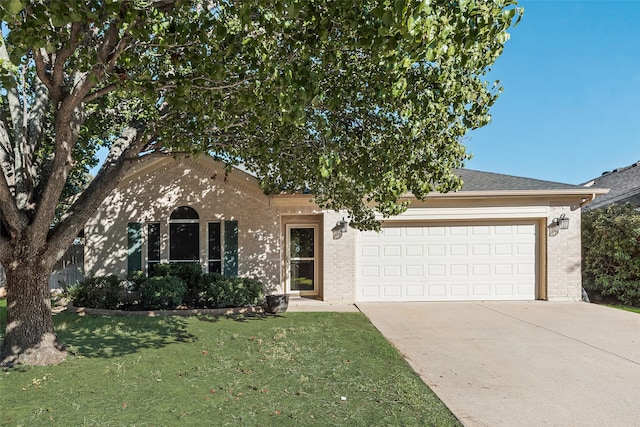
[447, 263]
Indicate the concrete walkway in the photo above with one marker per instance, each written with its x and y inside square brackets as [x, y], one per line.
[521, 364]
[310, 304]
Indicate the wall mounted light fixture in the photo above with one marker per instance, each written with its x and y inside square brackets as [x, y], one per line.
[562, 221]
[340, 228]
[343, 225]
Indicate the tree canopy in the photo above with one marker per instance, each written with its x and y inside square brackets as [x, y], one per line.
[360, 102]
[611, 252]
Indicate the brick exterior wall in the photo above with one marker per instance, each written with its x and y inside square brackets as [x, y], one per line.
[339, 260]
[151, 196]
[564, 254]
[153, 191]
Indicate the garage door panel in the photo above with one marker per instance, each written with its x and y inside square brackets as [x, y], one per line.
[370, 292]
[503, 269]
[392, 271]
[414, 270]
[525, 249]
[504, 289]
[436, 250]
[415, 291]
[414, 250]
[457, 249]
[414, 232]
[458, 231]
[481, 270]
[471, 262]
[392, 231]
[458, 270]
[369, 251]
[482, 290]
[505, 249]
[435, 231]
[459, 290]
[392, 250]
[392, 291]
[481, 249]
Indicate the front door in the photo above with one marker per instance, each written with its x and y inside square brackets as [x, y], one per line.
[302, 263]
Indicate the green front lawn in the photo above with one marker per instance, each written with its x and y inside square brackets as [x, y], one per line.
[295, 369]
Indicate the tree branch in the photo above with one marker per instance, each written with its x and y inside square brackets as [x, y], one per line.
[12, 93]
[42, 61]
[60, 58]
[37, 118]
[69, 117]
[99, 93]
[123, 154]
[6, 151]
[15, 219]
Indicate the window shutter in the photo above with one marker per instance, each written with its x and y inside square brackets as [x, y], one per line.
[134, 252]
[231, 248]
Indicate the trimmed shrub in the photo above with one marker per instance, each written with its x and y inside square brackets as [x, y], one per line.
[97, 292]
[162, 292]
[136, 280]
[167, 292]
[220, 291]
[189, 272]
[611, 253]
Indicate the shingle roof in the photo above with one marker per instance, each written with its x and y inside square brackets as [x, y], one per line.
[489, 181]
[624, 184]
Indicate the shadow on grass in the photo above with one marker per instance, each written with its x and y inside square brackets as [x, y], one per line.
[113, 336]
[105, 336]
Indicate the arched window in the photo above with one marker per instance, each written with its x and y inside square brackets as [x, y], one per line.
[184, 235]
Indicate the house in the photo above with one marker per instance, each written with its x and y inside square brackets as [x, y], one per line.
[624, 184]
[499, 238]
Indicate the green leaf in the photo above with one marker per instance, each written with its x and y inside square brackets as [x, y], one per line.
[12, 7]
[387, 18]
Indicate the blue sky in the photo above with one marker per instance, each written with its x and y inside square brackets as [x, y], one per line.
[570, 104]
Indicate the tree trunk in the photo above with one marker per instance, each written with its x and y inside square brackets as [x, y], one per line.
[29, 338]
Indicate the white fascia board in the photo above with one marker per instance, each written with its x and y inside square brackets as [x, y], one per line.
[470, 213]
[587, 192]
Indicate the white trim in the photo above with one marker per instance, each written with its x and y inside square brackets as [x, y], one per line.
[472, 213]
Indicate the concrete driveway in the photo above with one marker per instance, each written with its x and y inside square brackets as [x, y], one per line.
[521, 364]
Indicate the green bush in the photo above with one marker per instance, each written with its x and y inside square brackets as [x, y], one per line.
[220, 291]
[189, 272]
[168, 292]
[97, 292]
[162, 292]
[611, 252]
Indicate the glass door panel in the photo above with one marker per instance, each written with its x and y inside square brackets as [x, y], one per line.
[302, 275]
[302, 263]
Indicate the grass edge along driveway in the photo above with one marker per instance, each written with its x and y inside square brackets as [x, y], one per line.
[293, 369]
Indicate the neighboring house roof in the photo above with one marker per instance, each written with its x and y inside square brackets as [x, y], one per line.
[624, 184]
